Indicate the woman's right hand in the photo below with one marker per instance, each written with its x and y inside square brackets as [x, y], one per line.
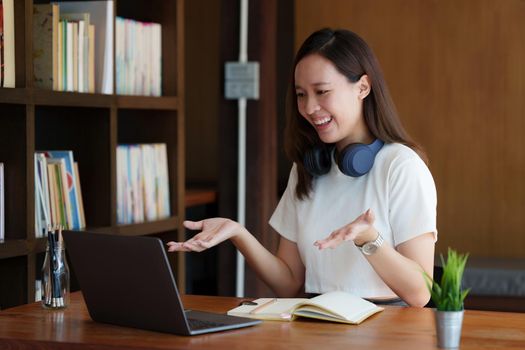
[213, 232]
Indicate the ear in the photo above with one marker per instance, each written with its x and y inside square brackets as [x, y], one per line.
[364, 86]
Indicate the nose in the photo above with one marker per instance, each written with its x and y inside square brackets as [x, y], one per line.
[311, 105]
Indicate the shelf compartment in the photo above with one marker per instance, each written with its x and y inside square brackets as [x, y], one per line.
[171, 34]
[14, 146]
[134, 127]
[86, 132]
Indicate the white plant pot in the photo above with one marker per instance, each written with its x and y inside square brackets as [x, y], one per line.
[448, 328]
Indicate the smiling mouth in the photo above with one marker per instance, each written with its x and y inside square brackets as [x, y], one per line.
[322, 122]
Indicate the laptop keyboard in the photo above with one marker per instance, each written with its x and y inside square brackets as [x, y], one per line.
[203, 324]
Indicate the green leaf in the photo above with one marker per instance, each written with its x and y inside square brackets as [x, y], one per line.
[447, 294]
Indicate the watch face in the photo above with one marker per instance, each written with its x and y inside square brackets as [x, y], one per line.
[369, 248]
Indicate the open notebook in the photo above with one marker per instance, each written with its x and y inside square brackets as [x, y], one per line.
[333, 306]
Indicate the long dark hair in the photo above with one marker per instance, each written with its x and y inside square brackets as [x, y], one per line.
[352, 57]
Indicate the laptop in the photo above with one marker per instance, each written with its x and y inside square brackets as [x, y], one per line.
[127, 281]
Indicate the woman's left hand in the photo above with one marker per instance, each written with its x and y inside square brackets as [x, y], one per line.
[360, 231]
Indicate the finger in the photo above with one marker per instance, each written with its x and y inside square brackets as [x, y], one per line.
[176, 247]
[331, 241]
[370, 216]
[193, 225]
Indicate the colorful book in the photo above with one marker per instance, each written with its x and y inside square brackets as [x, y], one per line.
[162, 181]
[63, 202]
[137, 182]
[101, 16]
[81, 47]
[149, 186]
[73, 196]
[79, 197]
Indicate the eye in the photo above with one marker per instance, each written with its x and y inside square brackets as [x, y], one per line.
[299, 94]
[323, 92]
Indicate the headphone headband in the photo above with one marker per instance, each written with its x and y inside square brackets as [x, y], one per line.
[354, 160]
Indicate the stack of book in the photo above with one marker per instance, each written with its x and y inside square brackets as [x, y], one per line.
[73, 46]
[138, 57]
[142, 183]
[58, 197]
[7, 43]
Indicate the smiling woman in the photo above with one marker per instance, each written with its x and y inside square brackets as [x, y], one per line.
[357, 185]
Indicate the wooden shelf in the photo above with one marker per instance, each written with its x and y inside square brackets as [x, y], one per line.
[92, 126]
[73, 99]
[140, 229]
[8, 95]
[13, 248]
[147, 102]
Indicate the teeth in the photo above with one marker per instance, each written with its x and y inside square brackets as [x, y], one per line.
[322, 121]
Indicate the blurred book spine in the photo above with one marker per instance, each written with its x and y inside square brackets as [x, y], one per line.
[138, 57]
[142, 183]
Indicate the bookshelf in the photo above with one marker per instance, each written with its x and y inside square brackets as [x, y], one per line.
[91, 125]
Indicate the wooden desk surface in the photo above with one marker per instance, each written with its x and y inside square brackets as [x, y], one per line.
[30, 326]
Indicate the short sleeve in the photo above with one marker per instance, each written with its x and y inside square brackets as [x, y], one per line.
[284, 218]
[412, 199]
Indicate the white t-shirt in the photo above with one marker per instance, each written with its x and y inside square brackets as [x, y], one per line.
[401, 193]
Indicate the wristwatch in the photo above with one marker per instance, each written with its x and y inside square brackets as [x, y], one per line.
[370, 248]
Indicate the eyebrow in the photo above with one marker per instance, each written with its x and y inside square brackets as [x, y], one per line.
[314, 84]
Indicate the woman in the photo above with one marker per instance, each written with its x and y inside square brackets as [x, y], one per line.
[357, 186]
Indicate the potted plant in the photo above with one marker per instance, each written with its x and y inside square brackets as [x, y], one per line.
[448, 296]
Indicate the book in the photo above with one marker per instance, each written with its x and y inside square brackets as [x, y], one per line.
[162, 181]
[53, 200]
[8, 44]
[91, 59]
[42, 200]
[70, 183]
[138, 57]
[82, 19]
[335, 306]
[62, 196]
[45, 45]
[149, 181]
[1, 44]
[101, 16]
[79, 193]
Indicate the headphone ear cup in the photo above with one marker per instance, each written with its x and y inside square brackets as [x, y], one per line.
[317, 161]
[357, 159]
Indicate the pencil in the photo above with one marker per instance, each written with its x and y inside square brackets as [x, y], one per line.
[262, 306]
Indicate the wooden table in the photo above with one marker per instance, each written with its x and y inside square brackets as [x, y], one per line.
[30, 326]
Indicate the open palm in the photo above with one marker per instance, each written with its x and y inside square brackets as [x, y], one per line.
[213, 232]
